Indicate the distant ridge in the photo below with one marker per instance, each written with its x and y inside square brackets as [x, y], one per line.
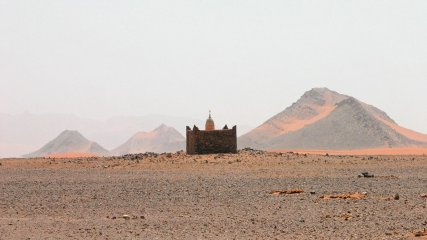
[70, 143]
[23, 133]
[325, 119]
[161, 139]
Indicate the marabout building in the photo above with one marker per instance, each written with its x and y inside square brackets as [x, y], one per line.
[211, 140]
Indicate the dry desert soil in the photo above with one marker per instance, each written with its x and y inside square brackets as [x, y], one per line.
[250, 195]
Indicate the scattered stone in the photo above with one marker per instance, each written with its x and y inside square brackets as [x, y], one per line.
[424, 195]
[389, 177]
[396, 196]
[251, 151]
[421, 233]
[366, 175]
[346, 216]
[312, 192]
[345, 196]
[291, 191]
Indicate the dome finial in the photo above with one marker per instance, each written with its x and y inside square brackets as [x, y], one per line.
[210, 125]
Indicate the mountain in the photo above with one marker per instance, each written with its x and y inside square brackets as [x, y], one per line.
[22, 133]
[70, 143]
[325, 119]
[161, 139]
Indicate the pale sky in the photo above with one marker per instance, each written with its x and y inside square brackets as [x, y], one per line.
[244, 60]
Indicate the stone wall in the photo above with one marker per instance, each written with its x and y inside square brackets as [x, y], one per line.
[216, 141]
[191, 140]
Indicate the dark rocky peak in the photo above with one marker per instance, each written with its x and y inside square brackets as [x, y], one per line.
[70, 133]
[162, 127]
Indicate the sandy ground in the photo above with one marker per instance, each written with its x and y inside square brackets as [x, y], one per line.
[226, 196]
[373, 151]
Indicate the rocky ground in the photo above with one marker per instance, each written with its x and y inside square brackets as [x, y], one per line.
[250, 195]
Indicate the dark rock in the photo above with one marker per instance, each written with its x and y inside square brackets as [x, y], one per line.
[396, 196]
[367, 175]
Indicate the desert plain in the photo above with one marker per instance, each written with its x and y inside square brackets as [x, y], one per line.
[249, 195]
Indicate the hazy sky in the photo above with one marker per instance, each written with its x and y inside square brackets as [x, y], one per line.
[244, 60]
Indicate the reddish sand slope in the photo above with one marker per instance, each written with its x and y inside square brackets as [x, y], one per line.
[294, 124]
[374, 151]
[406, 132]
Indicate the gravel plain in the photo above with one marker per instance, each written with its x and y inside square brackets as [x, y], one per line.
[219, 196]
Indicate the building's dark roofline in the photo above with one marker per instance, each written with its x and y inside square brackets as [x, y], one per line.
[195, 128]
